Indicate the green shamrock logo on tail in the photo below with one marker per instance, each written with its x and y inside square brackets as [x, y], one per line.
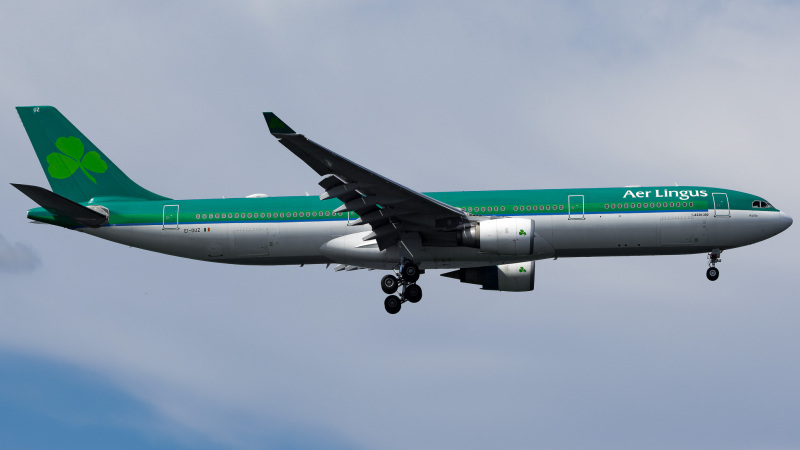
[522, 233]
[522, 270]
[63, 165]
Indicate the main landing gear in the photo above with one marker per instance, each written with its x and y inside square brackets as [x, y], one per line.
[406, 279]
[713, 258]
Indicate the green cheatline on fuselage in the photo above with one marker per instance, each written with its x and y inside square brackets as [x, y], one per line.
[545, 202]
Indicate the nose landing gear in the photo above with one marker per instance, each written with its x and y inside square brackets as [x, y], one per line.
[713, 258]
[406, 279]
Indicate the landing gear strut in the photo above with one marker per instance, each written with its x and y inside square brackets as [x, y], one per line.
[406, 279]
[713, 258]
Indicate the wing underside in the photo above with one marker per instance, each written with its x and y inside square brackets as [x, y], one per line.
[388, 208]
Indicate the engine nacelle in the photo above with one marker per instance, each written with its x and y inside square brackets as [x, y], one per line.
[517, 277]
[509, 236]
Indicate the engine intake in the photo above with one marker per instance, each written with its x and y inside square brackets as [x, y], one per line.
[509, 236]
[518, 277]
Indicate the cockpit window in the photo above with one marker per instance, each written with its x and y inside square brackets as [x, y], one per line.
[761, 204]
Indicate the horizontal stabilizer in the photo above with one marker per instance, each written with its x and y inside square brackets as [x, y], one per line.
[61, 206]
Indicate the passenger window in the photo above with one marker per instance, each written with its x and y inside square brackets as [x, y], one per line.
[534, 207]
[613, 206]
[282, 214]
[691, 204]
[619, 205]
[548, 207]
[516, 208]
[606, 205]
[560, 207]
[198, 216]
[638, 205]
[502, 208]
[237, 215]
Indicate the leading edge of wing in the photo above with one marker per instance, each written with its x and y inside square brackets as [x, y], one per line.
[328, 162]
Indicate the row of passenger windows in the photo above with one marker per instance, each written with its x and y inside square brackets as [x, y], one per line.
[650, 205]
[476, 209]
[268, 215]
[540, 207]
[607, 206]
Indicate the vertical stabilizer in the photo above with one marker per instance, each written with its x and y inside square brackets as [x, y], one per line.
[75, 168]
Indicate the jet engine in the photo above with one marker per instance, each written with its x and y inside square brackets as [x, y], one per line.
[508, 236]
[518, 277]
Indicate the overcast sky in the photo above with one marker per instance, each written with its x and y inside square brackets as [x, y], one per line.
[103, 345]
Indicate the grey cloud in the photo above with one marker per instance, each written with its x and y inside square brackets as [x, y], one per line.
[17, 257]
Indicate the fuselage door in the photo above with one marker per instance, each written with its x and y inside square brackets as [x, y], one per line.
[575, 203]
[170, 217]
[721, 206]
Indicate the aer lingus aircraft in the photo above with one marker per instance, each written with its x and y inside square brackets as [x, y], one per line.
[365, 220]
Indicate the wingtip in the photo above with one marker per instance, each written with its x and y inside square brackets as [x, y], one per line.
[276, 125]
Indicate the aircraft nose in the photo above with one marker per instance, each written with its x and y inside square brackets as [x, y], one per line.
[786, 221]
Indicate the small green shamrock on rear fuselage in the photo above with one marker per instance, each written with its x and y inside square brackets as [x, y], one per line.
[63, 165]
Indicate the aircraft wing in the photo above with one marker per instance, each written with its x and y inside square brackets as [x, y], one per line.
[389, 208]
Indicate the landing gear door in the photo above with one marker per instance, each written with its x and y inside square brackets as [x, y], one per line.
[170, 217]
[575, 203]
[721, 206]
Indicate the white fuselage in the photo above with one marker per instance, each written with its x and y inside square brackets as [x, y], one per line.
[334, 241]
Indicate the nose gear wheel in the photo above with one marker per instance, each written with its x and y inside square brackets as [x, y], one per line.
[713, 258]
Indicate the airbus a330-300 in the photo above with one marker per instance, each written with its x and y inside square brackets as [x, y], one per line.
[365, 221]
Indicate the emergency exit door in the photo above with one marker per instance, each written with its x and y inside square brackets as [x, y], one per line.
[170, 217]
[721, 206]
[575, 205]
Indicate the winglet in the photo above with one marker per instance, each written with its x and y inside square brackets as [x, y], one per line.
[276, 125]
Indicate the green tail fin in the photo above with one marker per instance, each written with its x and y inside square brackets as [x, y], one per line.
[75, 168]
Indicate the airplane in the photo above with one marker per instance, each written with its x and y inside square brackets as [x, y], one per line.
[364, 220]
